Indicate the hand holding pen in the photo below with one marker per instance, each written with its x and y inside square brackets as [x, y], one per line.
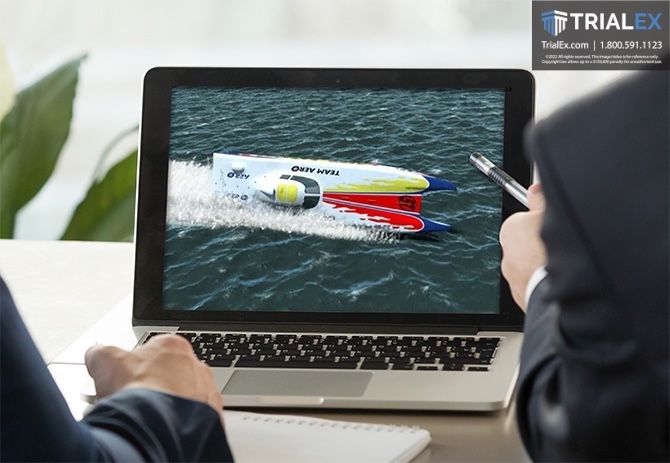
[523, 250]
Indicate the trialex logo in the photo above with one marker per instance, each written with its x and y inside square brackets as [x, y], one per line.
[555, 22]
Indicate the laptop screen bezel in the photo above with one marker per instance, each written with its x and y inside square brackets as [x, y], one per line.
[153, 174]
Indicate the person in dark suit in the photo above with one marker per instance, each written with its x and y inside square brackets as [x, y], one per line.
[158, 403]
[593, 382]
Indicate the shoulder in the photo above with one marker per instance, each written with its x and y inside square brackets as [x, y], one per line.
[623, 114]
[608, 149]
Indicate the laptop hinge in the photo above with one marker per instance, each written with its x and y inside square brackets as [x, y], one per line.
[299, 328]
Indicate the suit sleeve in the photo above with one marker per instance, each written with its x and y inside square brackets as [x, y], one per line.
[593, 383]
[160, 427]
[132, 425]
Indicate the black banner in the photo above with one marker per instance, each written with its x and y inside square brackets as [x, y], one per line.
[600, 35]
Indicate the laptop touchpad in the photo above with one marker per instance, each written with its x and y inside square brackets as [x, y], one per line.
[298, 383]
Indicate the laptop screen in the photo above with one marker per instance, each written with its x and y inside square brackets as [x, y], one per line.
[332, 192]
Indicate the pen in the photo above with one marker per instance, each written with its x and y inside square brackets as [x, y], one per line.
[500, 177]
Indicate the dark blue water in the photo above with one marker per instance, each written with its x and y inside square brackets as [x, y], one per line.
[219, 257]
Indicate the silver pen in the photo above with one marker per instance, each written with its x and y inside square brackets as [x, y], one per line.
[500, 177]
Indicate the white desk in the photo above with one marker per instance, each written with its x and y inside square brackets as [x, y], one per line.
[62, 288]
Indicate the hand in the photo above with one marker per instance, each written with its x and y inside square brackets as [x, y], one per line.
[165, 363]
[523, 249]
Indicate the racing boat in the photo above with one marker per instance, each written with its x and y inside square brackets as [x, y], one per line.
[359, 194]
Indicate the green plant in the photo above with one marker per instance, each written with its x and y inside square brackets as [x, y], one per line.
[32, 135]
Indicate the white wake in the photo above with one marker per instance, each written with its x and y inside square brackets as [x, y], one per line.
[192, 201]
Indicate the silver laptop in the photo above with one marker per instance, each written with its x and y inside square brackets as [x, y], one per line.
[321, 238]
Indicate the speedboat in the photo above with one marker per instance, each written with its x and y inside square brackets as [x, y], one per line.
[367, 195]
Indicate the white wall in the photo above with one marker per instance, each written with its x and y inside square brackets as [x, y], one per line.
[124, 38]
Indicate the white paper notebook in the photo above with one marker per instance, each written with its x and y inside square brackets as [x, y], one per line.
[259, 438]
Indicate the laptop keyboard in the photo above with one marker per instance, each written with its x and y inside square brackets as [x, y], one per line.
[436, 353]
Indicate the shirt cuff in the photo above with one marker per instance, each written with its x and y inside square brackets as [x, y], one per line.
[537, 276]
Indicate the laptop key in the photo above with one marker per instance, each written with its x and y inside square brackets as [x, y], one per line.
[453, 367]
[219, 363]
[262, 364]
[372, 365]
[334, 365]
[402, 366]
[428, 367]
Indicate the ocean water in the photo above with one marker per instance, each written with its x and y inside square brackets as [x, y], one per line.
[221, 255]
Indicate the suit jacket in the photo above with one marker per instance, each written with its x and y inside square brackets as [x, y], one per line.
[132, 425]
[593, 383]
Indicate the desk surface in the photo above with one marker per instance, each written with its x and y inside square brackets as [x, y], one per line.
[63, 287]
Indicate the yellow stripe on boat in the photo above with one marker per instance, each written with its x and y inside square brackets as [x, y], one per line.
[399, 185]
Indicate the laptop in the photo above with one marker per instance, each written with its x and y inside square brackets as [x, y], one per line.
[321, 238]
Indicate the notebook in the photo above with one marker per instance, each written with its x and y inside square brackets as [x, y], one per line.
[321, 238]
[261, 437]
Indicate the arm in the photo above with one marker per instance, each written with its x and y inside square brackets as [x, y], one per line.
[35, 421]
[159, 392]
[589, 385]
[585, 391]
[593, 384]
[134, 424]
[158, 427]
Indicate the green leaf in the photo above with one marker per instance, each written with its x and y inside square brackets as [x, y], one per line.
[107, 213]
[32, 135]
